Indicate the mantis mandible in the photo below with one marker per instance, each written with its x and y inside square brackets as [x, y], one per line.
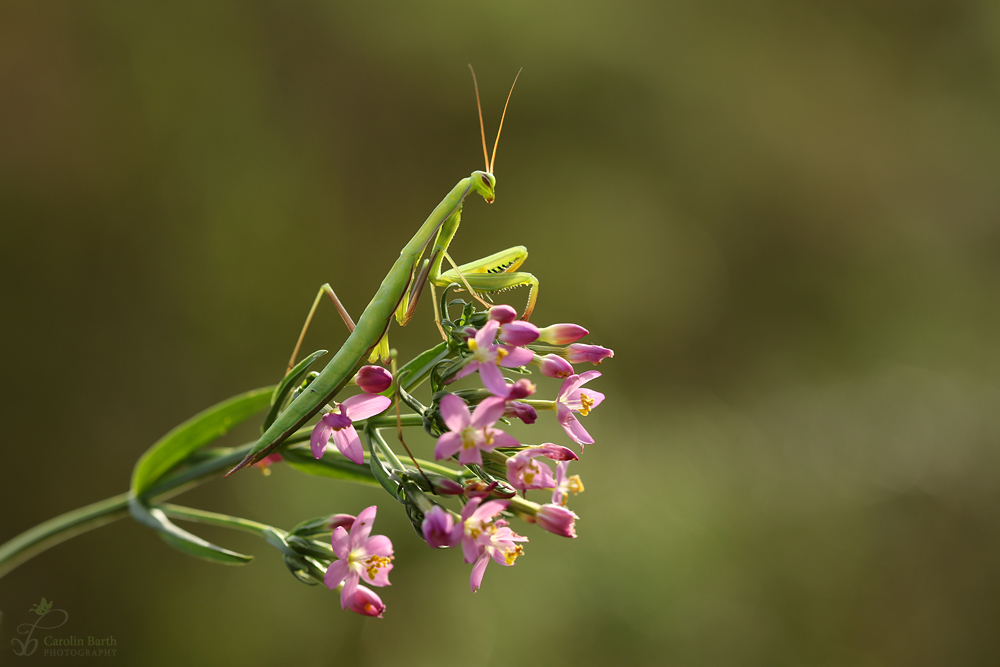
[399, 291]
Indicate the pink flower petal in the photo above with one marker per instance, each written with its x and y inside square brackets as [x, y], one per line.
[486, 335]
[501, 439]
[454, 412]
[493, 379]
[447, 445]
[349, 444]
[470, 456]
[362, 527]
[467, 369]
[575, 430]
[350, 588]
[470, 550]
[517, 356]
[378, 545]
[364, 406]
[478, 570]
[341, 542]
[320, 439]
[335, 574]
[487, 412]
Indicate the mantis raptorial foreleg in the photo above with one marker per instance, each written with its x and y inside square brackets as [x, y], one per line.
[493, 274]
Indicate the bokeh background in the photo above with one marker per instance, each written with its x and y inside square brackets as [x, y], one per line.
[782, 216]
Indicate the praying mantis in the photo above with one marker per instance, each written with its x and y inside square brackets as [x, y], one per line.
[419, 262]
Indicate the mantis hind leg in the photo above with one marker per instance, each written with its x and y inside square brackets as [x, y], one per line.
[325, 289]
[494, 274]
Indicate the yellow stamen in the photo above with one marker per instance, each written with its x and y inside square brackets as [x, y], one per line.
[472, 344]
[501, 353]
[375, 563]
[511, 554]
[575, 484]
[586, 404]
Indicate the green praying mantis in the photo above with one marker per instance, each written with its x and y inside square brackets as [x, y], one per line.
[420, 262]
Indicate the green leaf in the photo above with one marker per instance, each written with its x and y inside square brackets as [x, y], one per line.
[378, 468]
[417, 369]
[194, 434]
[181, 539]
[287, 384]
[333, 465]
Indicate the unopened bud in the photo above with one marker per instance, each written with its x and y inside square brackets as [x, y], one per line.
[503, 313]
[522, 411]
[518, 333]
[373, 379]
[578, 353]
[553, 366]
[557, 520]
[438, 527]
[344, 521]
[561, 334]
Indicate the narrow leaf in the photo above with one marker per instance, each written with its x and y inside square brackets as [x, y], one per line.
[287, 384]
[181, 539]
[194, 434]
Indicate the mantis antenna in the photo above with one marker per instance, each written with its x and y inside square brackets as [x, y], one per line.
[492, 159]
[482, 131]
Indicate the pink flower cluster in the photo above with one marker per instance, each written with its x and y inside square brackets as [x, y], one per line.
[502, 343]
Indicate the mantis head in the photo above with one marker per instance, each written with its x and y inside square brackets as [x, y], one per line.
[484, 182]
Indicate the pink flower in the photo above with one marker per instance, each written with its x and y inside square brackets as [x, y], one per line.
[557, 520]
[561, 334]
[524, 473]
[470, 435]
[483, 538]
[438, 527]
[553, 366]
[577, 353]
[366, 603]
[487, 357]
[518, 333]
[339, 424]
[359, 555]
[573, 399]
[373, 379]
[498, 545]
[565, 485]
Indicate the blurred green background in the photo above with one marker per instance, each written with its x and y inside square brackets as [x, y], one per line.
[781, 215]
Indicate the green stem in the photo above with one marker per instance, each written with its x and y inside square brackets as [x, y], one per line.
[214, 519]
[539, 405]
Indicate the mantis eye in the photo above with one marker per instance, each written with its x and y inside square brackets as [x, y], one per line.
[485, 180]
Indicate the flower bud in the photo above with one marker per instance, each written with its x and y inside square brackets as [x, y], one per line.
[577, 353]
[446, 487]
[478, 489]
[522, 411]
[557, 452]
[557, 520]
[553, 366]
[366, 603]
[437, 528]
[518, 333]
[561, 334]
[344, 521]
[503, 313]
[523, 388]
[373, 379]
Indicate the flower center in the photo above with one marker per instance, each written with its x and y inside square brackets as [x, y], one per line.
[586, 403]
[510, 555]
[375, 563]
[468, 438]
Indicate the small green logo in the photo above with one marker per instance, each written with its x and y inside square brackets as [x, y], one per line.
[42, 607]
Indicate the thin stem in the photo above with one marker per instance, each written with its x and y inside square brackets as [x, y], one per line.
[215, 519]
